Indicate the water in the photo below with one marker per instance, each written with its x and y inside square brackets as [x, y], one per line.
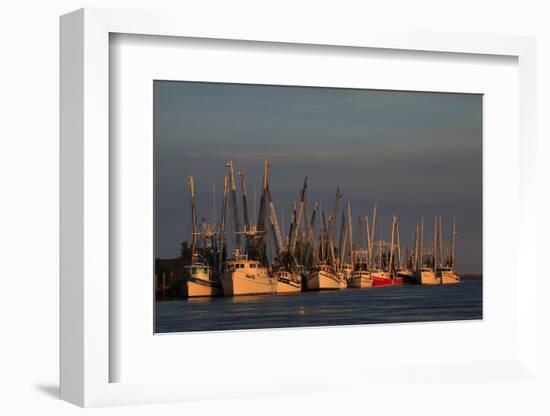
[408, 303]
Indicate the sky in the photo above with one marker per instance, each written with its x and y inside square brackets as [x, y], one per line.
[413, 153]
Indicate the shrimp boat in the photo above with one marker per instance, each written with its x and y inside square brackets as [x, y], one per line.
[323, 277]
[245, 273]
[407, 275]
[199, 280]
[425, 272]
[445, 273]
[361, 259]
[387, 277]
[361, 279]
[242, 276]
[384, 278]
[405, 270]
[426, 276]
[347, 261]
[287, 282]
[345, 275]
[287, 270]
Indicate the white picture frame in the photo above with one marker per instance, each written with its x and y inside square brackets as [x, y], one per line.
[85, 210]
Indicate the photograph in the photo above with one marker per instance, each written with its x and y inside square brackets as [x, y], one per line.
[280, 206]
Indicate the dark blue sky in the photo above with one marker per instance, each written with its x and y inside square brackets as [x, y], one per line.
[413, 153]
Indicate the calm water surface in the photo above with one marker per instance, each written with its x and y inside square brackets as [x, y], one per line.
[408, 303]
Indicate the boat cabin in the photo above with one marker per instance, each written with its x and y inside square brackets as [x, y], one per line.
[234, 264]
[198, 270]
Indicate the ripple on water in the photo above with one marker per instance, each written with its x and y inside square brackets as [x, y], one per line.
[346, 307]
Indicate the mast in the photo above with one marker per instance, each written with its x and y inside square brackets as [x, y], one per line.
[394, 219]
[373, 227]
[213, 202]
[322, 236]
[193, 219]
[299, 219]
[312, 222]
[398, 244]
[380, 254]
[332, 217]
[283, 226]
[344, 248]
[349, 235]
[358, 234]
[260, 231]
[453, 245]
[292, 229]
[440, 243]
[303, 235]
[275, 227]
[415, 257]
[421, 258]
[222, 225]
[243, 191]
[342, 236]
[330, 247]
[229, 165]
[435, 245]
[263, 199]
[369, 246]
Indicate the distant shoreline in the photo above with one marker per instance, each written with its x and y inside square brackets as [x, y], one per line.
[471, 276]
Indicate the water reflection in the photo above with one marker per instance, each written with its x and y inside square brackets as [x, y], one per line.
[345, 307]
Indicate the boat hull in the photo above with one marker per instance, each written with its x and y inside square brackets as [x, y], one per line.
[244, 282]
[322, 280]
[448, 278]
[408, 277]
[201, 288]
[427, 278]
[293, 285]
[384, 279]
[361, 282]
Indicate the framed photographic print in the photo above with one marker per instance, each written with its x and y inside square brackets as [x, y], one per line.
[292, 215]
[297, 215]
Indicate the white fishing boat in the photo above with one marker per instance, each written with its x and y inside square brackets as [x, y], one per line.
[241, 276]
[199, 281]
[286, 269]
[345, 274]
[426, 276]
[425, 273]
[322, 277]
[382, 269]
[446, 276]
[361, 279]
[288, 282]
